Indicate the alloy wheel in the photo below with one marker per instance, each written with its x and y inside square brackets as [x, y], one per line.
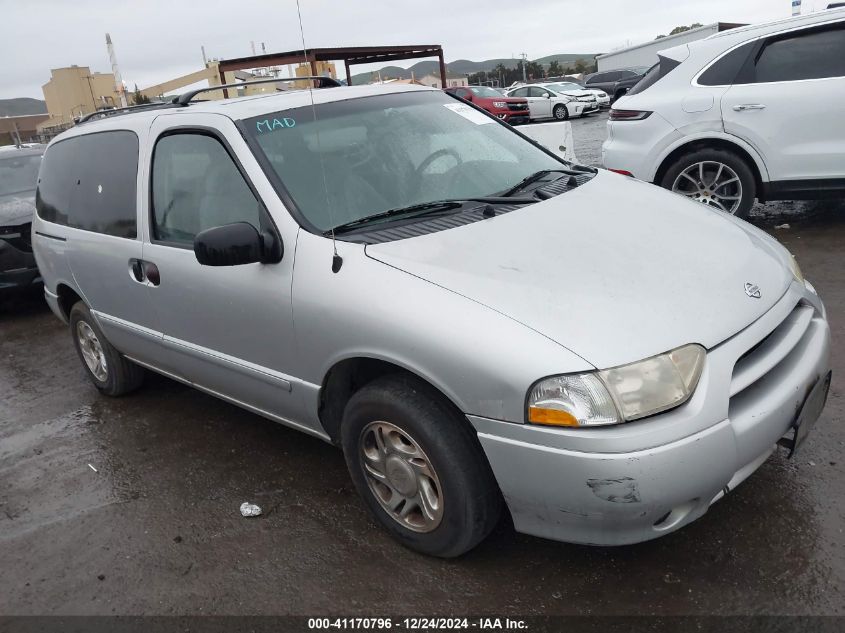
[401, 477]
[92, 351]
[712, 183]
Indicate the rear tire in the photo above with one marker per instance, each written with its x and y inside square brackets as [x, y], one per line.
[560, 113]
[410, 451]
[107, 368]
[732, 166]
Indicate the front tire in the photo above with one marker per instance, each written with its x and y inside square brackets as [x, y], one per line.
[560, 113]
[107, 368]
[716, 177]
[418, 465]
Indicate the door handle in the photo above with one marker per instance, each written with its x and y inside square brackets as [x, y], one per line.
[152, 274]
[749, 106]
[144, 272]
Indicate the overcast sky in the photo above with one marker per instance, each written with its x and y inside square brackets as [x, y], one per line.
[157, 40]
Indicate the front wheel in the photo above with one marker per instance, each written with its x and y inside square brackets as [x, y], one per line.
[419, 467]
[715, 177]
[560, 113]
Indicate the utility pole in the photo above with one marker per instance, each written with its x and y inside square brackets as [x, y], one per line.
[524, 73]
[118, 82]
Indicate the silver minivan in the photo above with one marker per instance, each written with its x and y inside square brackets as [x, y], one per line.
[478, 324]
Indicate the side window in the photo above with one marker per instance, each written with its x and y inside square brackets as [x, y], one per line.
[807, 55]
[105, 197]
[725, 71]
[56, 181]
[195, 186]
[594, 79]
[537, 92]
[520, 92]
[90, 182]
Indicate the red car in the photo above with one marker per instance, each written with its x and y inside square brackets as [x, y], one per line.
[512, 110]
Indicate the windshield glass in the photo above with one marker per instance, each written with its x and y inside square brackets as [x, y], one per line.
[18, 174]
[389, 152]
[566, 86]
[484, 91]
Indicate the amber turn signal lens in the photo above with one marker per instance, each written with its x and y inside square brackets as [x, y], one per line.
[551, 417]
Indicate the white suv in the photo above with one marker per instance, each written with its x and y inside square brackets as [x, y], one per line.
[753, 112]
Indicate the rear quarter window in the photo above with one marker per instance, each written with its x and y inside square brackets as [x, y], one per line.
[725, 70]
[89, 182]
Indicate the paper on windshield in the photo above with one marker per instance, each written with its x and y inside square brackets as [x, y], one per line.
[470, 114]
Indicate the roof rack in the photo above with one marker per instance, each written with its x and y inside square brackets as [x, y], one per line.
[185, 98]
[118, 111]
[324, 82]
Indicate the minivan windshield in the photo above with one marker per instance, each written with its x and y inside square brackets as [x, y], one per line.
[347, 160]
[18, 174]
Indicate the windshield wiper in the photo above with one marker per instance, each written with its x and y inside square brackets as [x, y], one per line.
[423, 209]
[537, 175]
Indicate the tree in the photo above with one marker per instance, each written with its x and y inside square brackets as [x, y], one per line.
[580, 66]
[534, 70]
[680, 29]
[138, 98]
[554, 69]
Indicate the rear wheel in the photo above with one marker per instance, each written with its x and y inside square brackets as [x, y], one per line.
[715, 177]
[107, 368]
[418, 465]
[560, 113]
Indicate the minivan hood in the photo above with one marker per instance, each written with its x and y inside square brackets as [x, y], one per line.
[616, 270]
[16, 209]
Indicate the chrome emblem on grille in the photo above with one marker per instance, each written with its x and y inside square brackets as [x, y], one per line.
[752, 290]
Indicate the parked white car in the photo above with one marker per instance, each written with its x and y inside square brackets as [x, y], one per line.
[573, 89]
[545, 103]
[716, 120]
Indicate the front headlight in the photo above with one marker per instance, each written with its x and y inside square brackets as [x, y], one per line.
[796, 269]
[499, 104]
[620, 394]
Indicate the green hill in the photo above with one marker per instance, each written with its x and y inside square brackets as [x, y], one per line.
[464, 66]
[22, 105]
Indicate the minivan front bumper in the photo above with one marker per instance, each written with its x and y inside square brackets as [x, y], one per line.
[637, 481]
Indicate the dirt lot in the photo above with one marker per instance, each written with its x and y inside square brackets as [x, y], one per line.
[156, 529]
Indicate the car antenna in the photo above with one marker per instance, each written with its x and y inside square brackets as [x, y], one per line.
[337, 260]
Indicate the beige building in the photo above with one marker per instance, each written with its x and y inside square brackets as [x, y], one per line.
[74, 91]
[452, 80]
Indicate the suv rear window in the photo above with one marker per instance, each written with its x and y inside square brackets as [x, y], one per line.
[89, 182]
[655, 74]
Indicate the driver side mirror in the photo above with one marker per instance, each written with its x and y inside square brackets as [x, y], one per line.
[236, 244]
[546, 95]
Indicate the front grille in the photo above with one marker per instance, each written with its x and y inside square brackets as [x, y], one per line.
[765, 356]
[518, 107]
[20, 236]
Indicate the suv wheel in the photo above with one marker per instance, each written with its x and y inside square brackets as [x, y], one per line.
[110, 372]
[560, 113]
[418, 465]
[715, 177]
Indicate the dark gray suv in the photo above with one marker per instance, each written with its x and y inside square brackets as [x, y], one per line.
[615, 83]
[18, 179]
